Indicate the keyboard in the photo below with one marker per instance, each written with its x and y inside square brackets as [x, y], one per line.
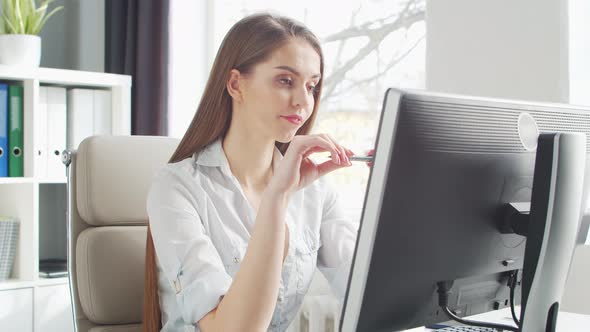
[466, 329]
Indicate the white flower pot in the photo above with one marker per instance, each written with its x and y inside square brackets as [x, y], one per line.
[22, 50]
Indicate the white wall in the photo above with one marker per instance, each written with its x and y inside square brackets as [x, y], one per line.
[500, 48]
[579, 52]
[579, 71]
[535, 50]
[74, 37]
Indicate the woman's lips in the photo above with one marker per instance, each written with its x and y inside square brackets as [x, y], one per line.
[294, 119]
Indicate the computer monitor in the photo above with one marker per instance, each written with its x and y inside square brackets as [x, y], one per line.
[437, 207]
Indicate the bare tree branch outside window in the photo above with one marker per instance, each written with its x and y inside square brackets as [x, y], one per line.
[337, 82]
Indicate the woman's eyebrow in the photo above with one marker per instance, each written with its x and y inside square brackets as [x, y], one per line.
[294, 71]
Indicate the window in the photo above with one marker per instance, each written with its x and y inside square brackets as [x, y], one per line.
[369, 45]
[188, 66]
[579, 68]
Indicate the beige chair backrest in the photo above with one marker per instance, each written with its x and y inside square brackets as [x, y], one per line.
[108, 181]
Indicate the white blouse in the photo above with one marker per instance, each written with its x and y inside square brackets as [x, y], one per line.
[201, 223]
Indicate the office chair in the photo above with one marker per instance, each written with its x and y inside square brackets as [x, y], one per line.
[108, 181]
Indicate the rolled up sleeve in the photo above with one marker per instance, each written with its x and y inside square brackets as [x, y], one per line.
[187, 257]
[338, 237]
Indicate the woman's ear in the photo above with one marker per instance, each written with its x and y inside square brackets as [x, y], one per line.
[233, 85]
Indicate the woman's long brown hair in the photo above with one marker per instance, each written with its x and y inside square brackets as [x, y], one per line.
[249, 42]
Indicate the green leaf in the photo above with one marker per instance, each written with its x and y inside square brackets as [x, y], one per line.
[33, 20]
[25, 16]
[55, 10]
[11, 28]
[19, 17]
[9, 16]
[29, 18]
[26, 9]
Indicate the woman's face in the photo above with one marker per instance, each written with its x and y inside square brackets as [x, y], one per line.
[278, 94]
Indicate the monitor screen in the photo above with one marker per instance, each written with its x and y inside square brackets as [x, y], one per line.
[445, 168]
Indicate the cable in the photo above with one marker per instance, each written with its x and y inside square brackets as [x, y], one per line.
[512, 285]
[443, 299]
[478, 324]
[516, 321]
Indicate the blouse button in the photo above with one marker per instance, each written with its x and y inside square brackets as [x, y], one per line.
[236, 260]
[177, 286]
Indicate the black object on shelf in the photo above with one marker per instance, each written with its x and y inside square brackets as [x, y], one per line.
[53, 268]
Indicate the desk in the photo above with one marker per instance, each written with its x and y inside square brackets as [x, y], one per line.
[566, 321]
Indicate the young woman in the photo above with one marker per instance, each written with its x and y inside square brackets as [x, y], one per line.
[237, 221]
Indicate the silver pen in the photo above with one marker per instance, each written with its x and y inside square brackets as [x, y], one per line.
[361, 158]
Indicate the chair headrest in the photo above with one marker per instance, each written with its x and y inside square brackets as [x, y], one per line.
[114, 174]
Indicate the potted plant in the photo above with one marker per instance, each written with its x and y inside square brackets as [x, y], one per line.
[20, 23]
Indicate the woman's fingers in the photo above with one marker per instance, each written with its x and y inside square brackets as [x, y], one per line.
[349, 152]
[336, 157]
[313, 150]
[315, 143]
[370, 153]
[305, 145]
[321, 143]
[342, 151]
[297, 170]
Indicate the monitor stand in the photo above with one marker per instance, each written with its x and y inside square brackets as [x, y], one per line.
[552, 227]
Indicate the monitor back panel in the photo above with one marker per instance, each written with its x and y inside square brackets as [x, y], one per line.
[454, 164]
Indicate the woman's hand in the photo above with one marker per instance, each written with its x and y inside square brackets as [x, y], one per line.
[370, 153]
[296, 170]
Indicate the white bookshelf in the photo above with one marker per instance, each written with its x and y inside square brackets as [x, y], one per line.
[30, 302]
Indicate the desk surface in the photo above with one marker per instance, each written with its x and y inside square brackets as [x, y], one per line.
[566, 321]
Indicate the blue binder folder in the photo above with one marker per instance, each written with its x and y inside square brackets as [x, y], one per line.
[3, 130]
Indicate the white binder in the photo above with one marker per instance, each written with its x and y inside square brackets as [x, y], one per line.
[80, 116]
[40, 139]
[56, 131]
[89, 113]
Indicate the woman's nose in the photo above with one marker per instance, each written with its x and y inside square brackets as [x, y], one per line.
[301, 98]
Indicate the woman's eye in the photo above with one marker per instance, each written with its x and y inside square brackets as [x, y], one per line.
[313, 90]
[285, 81]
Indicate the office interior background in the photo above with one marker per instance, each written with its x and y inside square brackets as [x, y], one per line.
[527, 50]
